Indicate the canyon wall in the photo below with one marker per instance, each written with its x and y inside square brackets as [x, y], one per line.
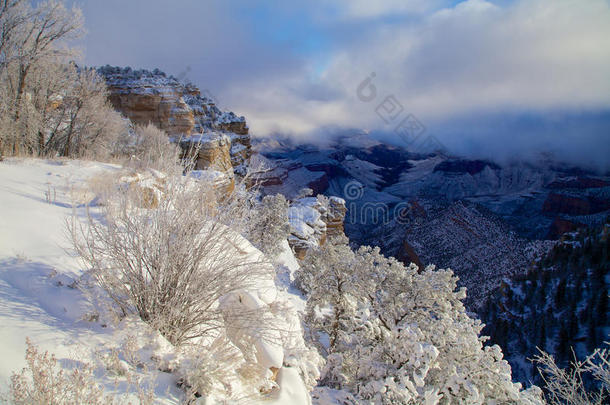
[219, 138]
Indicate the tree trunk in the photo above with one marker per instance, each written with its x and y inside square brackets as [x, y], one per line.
[19, 97]
[20, 90]
[40, 143]
[68, 139]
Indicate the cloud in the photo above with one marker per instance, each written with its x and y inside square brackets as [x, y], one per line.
[208, 41]
[366, 9]
[470, 65]
[459, 67]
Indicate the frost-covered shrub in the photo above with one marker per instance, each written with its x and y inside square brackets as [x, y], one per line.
[328, 275]
[567, 386]
[170, 263]
[44, 382]
[268, 225]
[212, 369]
[151, 149]
[393, 335]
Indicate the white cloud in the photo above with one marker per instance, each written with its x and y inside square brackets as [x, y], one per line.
[475, 58]
[372, 9]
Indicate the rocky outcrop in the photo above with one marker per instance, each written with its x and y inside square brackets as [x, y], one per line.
[561, 226]
[313, 220]
[149, 185]
[241, 149]
[334, 216]
[211, 152]
[149, 97]
[572, 205]
[180, 110]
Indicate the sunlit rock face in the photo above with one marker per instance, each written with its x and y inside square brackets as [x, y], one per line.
[211, 152]
[182, 111]
[313, 220]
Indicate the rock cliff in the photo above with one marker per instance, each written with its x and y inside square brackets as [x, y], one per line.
[183, 112]
[313, 220]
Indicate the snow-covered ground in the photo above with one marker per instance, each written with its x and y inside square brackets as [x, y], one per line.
[38, 271]
[35, 267]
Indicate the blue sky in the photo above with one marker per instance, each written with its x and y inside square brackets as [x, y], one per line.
[492, 78]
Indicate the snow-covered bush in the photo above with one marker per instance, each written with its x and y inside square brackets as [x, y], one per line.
[171, 263]
[567, 386]
[43, 381]
[327, 276]
[151, 149]
[392, 334]
[268, 225]
[212, 369]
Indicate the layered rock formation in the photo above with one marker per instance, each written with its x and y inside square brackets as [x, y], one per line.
[334, 216]
[211, 153]
[313, 220]
[180, 110]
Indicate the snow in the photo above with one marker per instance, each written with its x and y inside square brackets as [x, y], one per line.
[33, 259]
[305, 217]
[228, 117]
[302, 220]
[365, 172]
[293, 391]
[207, 137]
[286, 258]
[337, 200]
[38, 274]
[237, 148]
[210, 176]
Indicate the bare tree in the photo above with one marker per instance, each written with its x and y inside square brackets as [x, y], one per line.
[31, 38]
[13, 15]
[83, 120]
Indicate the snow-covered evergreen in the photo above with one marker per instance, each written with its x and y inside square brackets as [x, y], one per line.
[392, 334]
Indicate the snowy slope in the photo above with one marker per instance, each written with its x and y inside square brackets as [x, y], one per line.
[38, 300]
[37, 273]
[35, 199]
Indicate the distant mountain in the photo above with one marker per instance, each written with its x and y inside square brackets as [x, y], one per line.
[466, 237]
[483, 219]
